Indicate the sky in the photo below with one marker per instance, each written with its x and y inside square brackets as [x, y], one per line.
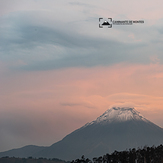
[59, 70]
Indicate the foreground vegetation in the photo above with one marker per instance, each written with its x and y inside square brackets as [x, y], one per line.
[144, 155]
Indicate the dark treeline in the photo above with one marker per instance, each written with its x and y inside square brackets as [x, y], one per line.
[141, 155]
[29, 160]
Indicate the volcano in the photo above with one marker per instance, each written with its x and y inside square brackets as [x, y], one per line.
[119, 128]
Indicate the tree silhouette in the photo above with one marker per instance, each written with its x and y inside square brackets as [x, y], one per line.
[141, 155]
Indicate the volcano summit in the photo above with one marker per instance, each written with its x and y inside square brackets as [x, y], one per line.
[117, 129]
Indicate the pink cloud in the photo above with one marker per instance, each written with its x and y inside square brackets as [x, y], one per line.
[54, 103]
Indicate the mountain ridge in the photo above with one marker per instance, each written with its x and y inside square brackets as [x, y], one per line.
[116, 129]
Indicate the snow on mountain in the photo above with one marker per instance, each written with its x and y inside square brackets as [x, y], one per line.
[118, 114]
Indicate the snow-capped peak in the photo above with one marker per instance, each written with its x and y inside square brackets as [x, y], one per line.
[119, 114]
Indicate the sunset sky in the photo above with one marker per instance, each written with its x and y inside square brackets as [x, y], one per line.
[59, 70]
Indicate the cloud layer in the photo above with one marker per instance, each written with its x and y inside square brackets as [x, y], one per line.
[37, 40]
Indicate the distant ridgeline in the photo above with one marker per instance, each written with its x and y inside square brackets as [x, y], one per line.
[30, 160]
[145, 155]
[141, 155]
